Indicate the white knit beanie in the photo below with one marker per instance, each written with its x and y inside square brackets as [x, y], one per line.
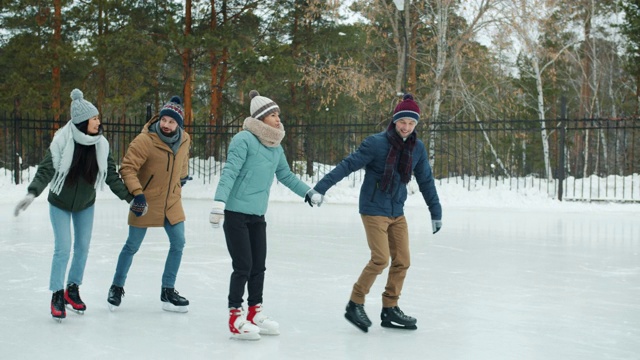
[81, 109]
[261, 106]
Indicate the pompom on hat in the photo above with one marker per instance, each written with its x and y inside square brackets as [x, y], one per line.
[81, 110]
[174, 109]
[407, 108]
[261, 106]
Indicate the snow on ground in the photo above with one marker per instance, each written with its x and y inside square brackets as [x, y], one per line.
[510, 276]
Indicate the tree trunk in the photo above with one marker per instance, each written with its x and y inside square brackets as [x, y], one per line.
[442, 18]
[541, 117]
[57, 42]
[102, 77]
[186, 67]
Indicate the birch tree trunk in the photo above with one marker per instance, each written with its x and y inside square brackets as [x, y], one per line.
[541, 116]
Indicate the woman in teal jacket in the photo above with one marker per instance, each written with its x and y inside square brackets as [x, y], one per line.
[77, 162]
[254, 157]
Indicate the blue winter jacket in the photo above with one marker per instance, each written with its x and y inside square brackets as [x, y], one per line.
[247, 176]
[372, 155]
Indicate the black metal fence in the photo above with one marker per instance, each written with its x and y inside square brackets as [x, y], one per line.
[590, 160]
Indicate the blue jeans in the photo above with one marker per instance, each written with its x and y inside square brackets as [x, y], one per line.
[82, 227]
[171, 265]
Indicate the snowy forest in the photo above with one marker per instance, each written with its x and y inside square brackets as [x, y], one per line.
[474, 61]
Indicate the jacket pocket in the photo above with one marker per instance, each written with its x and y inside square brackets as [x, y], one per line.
[244, 182]
[146, 185]
[177, 189]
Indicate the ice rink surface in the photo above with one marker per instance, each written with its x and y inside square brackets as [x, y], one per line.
[493, 284]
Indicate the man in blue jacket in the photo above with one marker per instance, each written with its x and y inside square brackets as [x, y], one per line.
[389, 159]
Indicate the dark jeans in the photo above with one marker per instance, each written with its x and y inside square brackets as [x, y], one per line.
[246, 237]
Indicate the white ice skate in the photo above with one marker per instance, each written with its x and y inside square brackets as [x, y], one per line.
[267, 325]
[240, 328]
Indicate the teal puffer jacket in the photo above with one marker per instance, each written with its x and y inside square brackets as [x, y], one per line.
[247, 176]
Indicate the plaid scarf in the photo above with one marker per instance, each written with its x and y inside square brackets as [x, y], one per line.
[405, 149]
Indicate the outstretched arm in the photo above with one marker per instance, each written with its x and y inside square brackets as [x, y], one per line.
[356, 161]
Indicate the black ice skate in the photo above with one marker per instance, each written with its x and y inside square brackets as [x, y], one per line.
[57, 306]
[172, 301]
[115, 296]
[72, 297]
[393, 317]
[356, 315]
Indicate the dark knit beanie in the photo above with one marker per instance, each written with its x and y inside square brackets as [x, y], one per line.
[407, 108]
[174, 109]
[261, 106]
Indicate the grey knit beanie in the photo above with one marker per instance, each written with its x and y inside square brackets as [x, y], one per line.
[261, 106]
[81, 109]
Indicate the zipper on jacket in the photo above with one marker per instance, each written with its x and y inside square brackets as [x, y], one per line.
[170, 166]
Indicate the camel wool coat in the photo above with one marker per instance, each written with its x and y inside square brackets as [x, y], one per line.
[151, 168]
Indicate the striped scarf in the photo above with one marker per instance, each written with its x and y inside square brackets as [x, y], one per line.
[404, 148]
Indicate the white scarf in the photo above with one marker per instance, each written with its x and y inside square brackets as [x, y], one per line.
[268, 135]
[62, 147]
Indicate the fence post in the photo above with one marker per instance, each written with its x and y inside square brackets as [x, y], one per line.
[16, 142]
[560, 171]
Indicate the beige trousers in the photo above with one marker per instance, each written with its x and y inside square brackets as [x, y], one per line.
[387, 238]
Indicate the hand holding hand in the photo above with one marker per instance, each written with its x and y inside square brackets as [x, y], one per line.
[24, 204]
[436, 225]
[216, 216]
[139, 205]
[313, 198]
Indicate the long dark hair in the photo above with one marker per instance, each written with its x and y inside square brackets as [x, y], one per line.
[84, 164]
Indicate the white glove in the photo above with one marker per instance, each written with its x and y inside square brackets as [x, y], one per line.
[313, 198]
[216, 216]
[436, 225]
[24, 204]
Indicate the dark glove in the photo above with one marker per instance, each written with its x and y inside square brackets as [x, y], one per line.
[139, 205]
[313, 198]
[183, 181]
[436, 225]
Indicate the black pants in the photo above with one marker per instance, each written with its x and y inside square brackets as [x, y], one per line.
[246, 237]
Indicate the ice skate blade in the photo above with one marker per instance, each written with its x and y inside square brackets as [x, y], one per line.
[392, 325]
[245, 337]
[357, 324]
[269, 332]
[112, 307]
[167, 306]
[58, 320]
[77, 311]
